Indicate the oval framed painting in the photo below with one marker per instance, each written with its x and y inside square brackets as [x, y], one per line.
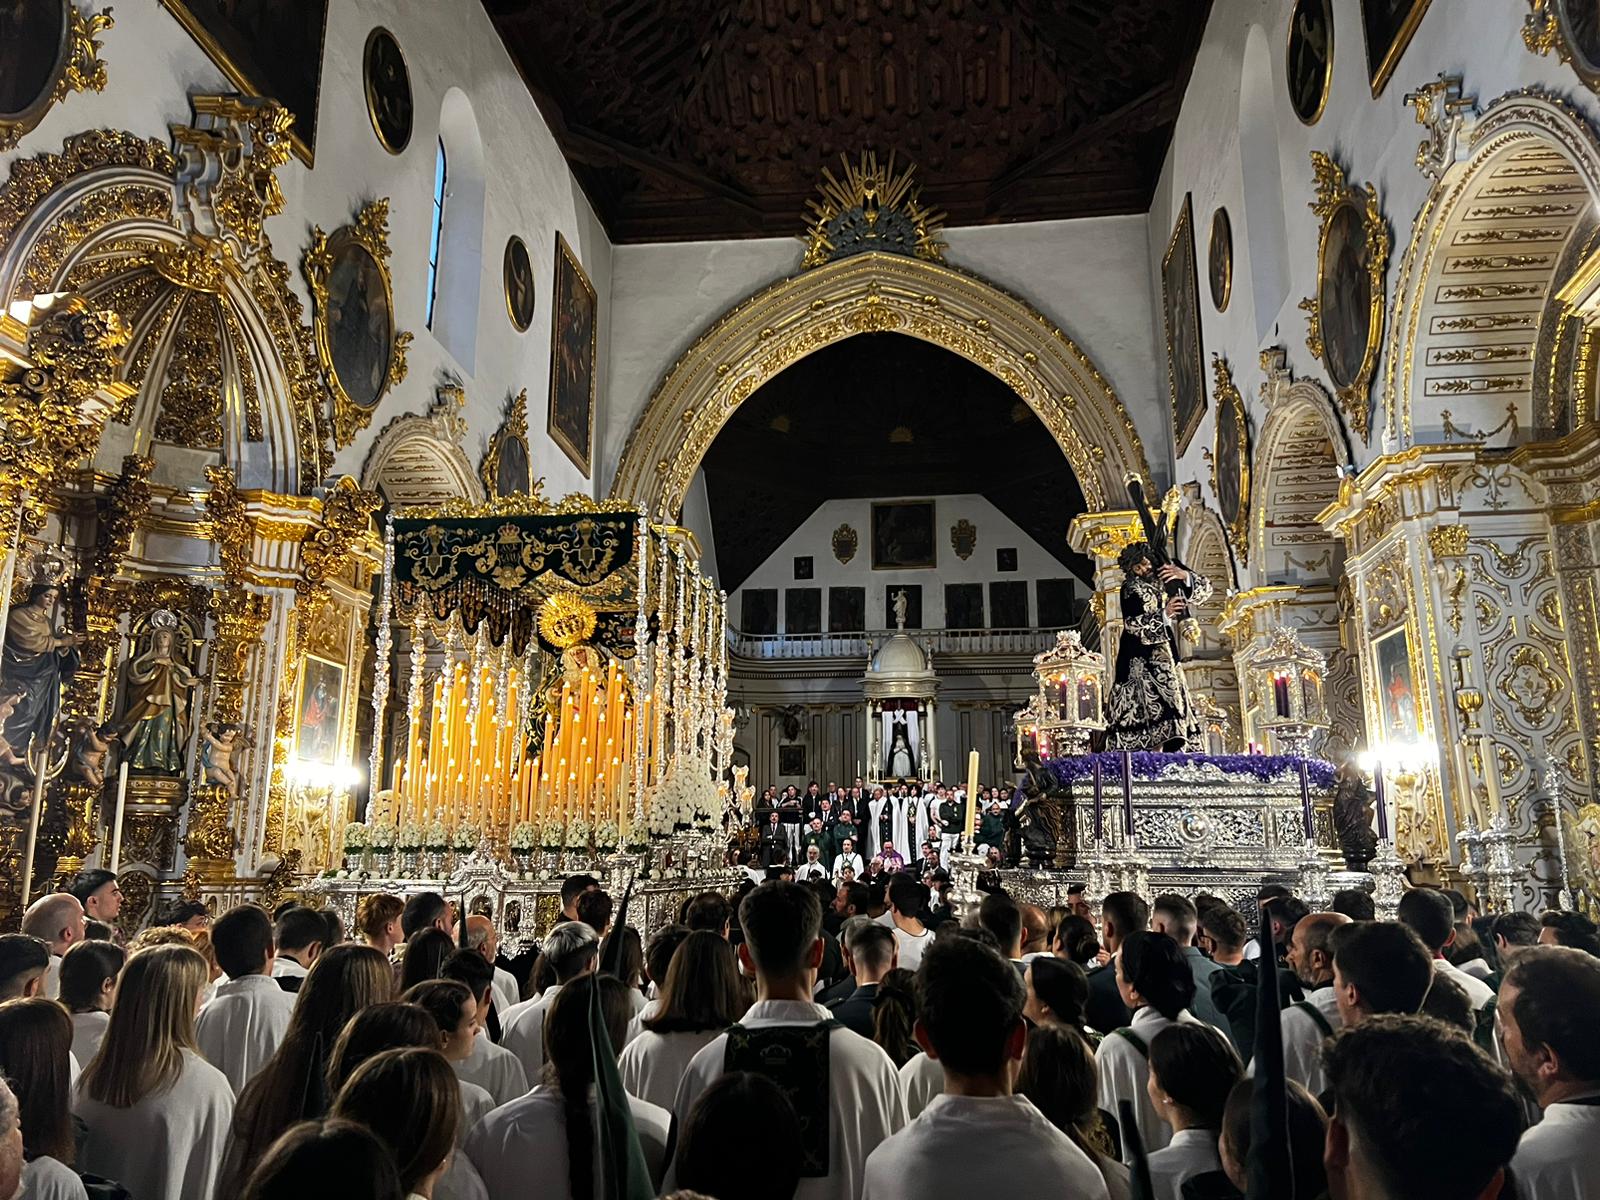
[34, 45]
[1344, 294]
[388, 86]
[1220, 260]
[1308, 58]
[518, 269]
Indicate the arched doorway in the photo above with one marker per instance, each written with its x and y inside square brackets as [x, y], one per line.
[878, 293]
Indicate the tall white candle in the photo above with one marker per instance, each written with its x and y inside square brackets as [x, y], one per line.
[33, 829]
[116, 821]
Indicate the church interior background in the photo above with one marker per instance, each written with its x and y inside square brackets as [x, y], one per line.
[454, 441]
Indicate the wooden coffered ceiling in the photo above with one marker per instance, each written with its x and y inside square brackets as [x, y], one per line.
[714, 118]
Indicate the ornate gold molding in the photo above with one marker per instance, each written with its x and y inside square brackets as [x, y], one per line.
[1543, 32]
[872, 207]
[1447, 541]
[79, 69]
[324, 555]
[514, 430]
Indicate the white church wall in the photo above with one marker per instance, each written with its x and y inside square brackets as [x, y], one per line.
[1374, 140]
[1083, 275]
[814, 538]
[153, 66]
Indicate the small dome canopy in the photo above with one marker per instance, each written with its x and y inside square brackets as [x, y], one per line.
[900, 655]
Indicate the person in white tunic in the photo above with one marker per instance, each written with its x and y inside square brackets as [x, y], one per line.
[88, 981]
[700, 999]
[1549, 1014]
[157, 1114]
[57, 921]
[907, 898]
[572, 949]
[35, 1037]
[1155, 983]
[658, 957]
[554, 1125]
[783, 948]
[299, 935]
[409, 1098]
[847, 857]
[240, 1028]
[449, 1002]
[378, 922]
[482, 938]
[977, 1134]
[1192, 1070]
[1307, 1023]
[1428, 912]
[1378, 967]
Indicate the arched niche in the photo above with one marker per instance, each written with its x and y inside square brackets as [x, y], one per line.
[460, 278]
[1299, 454]
[418, 459]
[1265, 228]
[1483, 349]
[877, 293]
[222, 367]
[1203, 547]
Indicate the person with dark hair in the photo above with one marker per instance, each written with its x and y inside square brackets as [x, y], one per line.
[97, 931]
[710, 911]
[1192, 1070]
[241, 1027]
[492, 1067]
[1057, 993]
[333, 1158]
[1121, 914]
[1307, 1023]
[1355, 903]
[1222, 934]
[716, 1155]
[1002, 916]
[852, 899]
[335, 926]
[1378, 967]
[97, 890]
[1176, 916]
[861, 1103]
[1548, 1007]
[700, 997]
[1558, 927]
[894, 1016]
[872, 956]
[24, 962]
[378, 921]
[409, 1098]
[1427, 912]
[299, 935]
[190, 914]
[1512, 933]
[1148, 706]
[88, 981]
[1157, 985]
[1058, 1076]
[554, 1125]
[427, 910]
[572, 887]
[908, 899]
[658, 954]
[1448, 1004]
[594, 910]
[1308, 1125]
[970, 1022]
[1418, 1111]
[35, 1058]
[572, 951]
[424, 956]
[1076, 941]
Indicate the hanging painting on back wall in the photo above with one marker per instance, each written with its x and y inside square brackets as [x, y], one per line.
[572, 349]
[1388, 25]
[272, 50]
[1180, 299]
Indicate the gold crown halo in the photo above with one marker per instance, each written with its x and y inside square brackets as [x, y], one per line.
[565, 620]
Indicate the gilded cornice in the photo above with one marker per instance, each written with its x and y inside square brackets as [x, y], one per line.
[1104, 535]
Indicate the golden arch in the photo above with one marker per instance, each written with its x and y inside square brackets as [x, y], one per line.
[878, 293]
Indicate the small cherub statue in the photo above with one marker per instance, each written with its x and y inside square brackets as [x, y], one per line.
[216, 756]
[89, 752]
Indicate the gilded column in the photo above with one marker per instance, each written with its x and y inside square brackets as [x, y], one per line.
[1103, 536]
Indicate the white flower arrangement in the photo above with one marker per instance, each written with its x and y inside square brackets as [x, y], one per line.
[381, 835]
[524, 836]
[684, 798]
[577, 834]
[606, 836]
[466, 837]
[410, 836]
[437, 837]
[551, 834]
[355, 837]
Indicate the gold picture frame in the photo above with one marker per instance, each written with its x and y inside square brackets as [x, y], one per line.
[1308, 68]
[1386, 46]
[74, 65]
[1548, 28]
[1353, 247]
[347, 272]
[507, 468]
[1219, 259]
[1180, 309]
[1230, 458]
[516, 271]
[392, 111]
[574, 327]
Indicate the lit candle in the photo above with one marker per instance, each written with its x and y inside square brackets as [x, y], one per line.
[972, 800]
[1305, 802]
[1127, 794]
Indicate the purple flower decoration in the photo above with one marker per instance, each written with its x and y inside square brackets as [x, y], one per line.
[1264, 768]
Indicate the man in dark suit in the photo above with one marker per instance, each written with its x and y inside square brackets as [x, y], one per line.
[872, 956]
[1121, 913]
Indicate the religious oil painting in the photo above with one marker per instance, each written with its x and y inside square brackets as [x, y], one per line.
[388, 84]
[33, 45]
[1579, 22]
[1180, 297]
[902, 535]
[518, 270]
[360, 323]
[1389, 26]
[1397, 690]
[1220, 260]
[272, 50]
[572, 353]
[792, 762]
[321, 693]
[1308, 60]
[1344, 294]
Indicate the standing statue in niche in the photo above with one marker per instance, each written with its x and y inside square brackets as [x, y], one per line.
[39, 660]
[902, 763]
[155, 724]
[900, 602]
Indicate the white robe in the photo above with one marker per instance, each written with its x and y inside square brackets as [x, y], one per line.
[1123, 1071]
[52, 978]
[460, 1181]
[46, 1178]
[973, 1146]
[911, 947]
[493, 1068]
[242, 1027]
[652, 1064]
[902, 836]
[1303, 1038]
[1478, 992]
[921, 1078]
[284, 967]
[520, 1149]
[88, 1031]
[636, 1023]
[506, 995]
[523, 1032]
[1191, 1152]
[476, 1104]
[168, 1146]
[808, 871]
[851, 860]
[866, 1104]
[874, 811]
[1559, 1158]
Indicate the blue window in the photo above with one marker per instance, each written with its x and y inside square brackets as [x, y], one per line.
[441, 173]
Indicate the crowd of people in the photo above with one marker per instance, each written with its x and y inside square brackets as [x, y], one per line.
[803, 1039]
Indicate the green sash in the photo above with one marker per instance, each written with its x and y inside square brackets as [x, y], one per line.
[1134, 1040]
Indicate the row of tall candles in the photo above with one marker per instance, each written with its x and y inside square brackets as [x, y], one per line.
[470, 766]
